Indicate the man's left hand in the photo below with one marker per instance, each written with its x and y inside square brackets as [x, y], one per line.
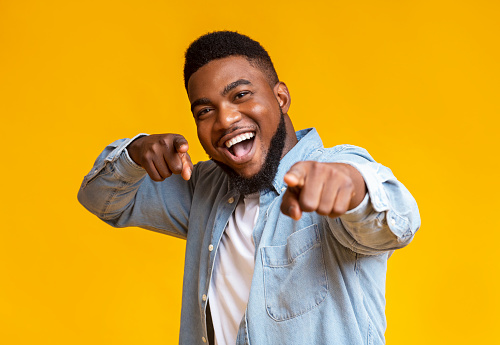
[330, 189]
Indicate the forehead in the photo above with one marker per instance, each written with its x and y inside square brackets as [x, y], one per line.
[216, 74]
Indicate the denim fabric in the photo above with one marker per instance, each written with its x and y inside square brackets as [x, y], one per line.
[316, 280]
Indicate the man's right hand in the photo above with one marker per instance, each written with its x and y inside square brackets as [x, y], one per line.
[162, 155]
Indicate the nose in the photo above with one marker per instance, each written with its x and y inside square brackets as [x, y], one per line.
[227, 116]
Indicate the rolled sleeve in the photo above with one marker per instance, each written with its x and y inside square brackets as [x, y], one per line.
[360, 211]
[388, 216]
[119, 192]
[112, 153]
[127, 168]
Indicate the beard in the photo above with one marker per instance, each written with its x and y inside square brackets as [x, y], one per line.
[262, 180]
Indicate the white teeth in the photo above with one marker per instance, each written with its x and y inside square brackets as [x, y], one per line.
[239, 138]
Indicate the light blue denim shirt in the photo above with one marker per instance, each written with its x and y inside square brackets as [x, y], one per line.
[316, 280]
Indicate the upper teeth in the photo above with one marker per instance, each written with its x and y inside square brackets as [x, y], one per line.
[239, 138]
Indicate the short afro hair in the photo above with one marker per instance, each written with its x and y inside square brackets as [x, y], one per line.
[221, 44]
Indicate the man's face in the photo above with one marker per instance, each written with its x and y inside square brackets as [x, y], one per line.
[236, 113]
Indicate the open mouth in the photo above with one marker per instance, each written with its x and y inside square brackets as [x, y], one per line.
[240, 145]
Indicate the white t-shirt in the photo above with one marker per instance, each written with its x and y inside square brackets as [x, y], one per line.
[233, 271]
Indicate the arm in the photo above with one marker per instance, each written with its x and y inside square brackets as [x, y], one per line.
[118, 190]
[370, 210]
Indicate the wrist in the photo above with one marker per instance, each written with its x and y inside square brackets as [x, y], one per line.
[359, 186]
[133, 149]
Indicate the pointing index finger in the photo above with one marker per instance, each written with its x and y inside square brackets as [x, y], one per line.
[182, 146]
[295, 177]
[187, 166]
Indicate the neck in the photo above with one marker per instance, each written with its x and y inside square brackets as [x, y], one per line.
[291, 137]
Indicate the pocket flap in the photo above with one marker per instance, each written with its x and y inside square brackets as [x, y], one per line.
[296, 244]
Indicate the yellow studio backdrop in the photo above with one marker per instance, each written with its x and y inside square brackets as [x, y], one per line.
[416, 83]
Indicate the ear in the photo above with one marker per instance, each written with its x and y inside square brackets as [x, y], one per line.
[282, 96]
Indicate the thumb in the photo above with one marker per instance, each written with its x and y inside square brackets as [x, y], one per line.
[180, 143]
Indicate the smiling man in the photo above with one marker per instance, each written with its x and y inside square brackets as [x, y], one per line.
[287, 241]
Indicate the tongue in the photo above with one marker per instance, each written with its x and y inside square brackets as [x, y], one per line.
[242, 147]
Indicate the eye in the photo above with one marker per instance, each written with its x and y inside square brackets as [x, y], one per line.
[241, 94]
[202, 112]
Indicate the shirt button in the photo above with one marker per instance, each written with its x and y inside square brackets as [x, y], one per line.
[204, 297]
[230, 200]
[283, 189]
[393, 221]
[210, 247]
[204, 339]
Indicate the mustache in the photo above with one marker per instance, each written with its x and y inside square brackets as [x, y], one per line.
[231, 130]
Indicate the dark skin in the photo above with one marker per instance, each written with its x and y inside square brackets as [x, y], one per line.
[230, 97]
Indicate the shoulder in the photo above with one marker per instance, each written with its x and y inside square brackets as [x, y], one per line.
[341, 152]
[310, 147]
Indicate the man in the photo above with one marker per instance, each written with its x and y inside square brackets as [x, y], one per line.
[287, 241]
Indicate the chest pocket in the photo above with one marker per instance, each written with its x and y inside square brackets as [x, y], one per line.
[294, 275]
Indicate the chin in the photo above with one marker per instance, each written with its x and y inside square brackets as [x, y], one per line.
[249, 172]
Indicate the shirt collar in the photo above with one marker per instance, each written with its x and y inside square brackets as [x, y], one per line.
[308, 142]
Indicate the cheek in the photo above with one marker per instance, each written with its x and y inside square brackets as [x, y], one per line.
[258, 109]
[269, 117]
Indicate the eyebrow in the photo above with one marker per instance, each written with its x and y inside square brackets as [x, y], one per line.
[234, 84]
[227, 89]
[199, 101]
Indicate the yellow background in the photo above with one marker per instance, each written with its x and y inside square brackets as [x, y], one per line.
[415, 82]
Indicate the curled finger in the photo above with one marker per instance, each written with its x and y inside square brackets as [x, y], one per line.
[290, 204]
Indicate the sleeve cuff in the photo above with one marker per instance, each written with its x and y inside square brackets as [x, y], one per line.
[359, 212]
[378, 198]
[124, 165]
[127, 168]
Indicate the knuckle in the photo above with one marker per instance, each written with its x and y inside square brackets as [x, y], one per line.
[317, 166]
[339, 209]
[323, 210]
[333, 172]
[176, 167]
[308, 205]
[164, 143]
[348, 183]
